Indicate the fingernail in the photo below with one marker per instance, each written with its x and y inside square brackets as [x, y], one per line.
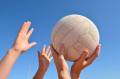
[28, 22]
[49, 47]
[44, 46]
[32, 29]
[35, 43]
[24, 23]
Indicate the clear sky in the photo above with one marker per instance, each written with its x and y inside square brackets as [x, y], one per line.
[44, 14]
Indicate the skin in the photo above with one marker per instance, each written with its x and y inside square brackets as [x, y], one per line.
[82, 62]
[44, 58]
[61, 65]
[77, 67]
[20, 46]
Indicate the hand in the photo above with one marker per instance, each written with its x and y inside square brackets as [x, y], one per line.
[45, 57]
[82, 62]
[22, 42]
[59, 58]
[61, 65]
[21, 45]
[44, 61]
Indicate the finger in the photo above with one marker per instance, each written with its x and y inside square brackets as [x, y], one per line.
[99, 49]
[25, 27]
[32, 44]
[28, 24]
[48, 50]
[22, 28]
[30, 33]
[83, 56]
[39, 55]
[43, 49]
[94, 55]
[61, 50]
[49, 54]
[55, 56]
[58, 60]
[54, 53]
[95, 52]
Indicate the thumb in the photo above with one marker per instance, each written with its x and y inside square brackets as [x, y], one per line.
[61, 49]
[31, 45]
[54, 52]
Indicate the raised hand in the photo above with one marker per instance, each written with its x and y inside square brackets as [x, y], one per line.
[44, 58]
[82, 62]
[21, 45]
[22, 42]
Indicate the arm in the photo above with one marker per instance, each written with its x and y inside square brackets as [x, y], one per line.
[82, 62]
[44, 61]
[21, 45]
[61, 65]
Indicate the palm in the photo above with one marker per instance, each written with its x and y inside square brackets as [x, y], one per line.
[22, 42]
[45, 60]
[44, 57]
[77, 66]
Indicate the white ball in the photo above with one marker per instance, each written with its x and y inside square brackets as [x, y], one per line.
[76, 33]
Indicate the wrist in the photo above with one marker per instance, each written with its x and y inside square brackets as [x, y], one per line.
[40, 73]
[15, 52]
[13, 55]
[42, 68]
[75, 74]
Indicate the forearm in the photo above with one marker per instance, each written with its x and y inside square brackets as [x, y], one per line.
[75, 76]
[63, 71]
[40, 73]
[63, 74]
[7, 63]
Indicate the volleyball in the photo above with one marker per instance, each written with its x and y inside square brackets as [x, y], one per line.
[75, 32]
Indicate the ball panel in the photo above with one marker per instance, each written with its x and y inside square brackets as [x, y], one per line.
[72, 54]
[93, 31]
[86, 41]
[77, 48]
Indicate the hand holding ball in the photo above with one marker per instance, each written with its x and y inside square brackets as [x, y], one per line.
[75, 33]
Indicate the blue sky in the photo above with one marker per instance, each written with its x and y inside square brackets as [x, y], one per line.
[44, 14]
